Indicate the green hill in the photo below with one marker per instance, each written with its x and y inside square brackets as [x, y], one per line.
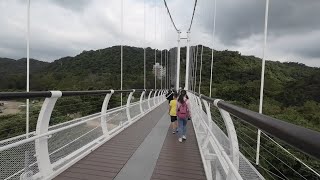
[292, 90]
[13, 72]
[97, 70]
[235, 77]
[288, 86]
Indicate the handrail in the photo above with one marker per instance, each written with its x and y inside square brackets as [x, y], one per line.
[40, 94]
[299, 137]
[50, 132]
[44, 132]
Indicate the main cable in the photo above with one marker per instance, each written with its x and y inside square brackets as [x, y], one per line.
[165, 3]
[194, 10]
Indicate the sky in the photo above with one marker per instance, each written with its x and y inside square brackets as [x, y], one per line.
[61, 28]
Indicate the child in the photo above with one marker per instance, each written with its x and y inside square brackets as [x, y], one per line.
[183, 108]
[173, 113]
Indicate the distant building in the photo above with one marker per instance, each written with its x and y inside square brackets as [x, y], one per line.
[159, 70]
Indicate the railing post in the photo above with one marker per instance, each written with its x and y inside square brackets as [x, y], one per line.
[160, 97]
[157, 97]
[154, 98]
[199, 103]
[206, 141]
[232, 135]
[194, 106]
[149, 96]
[164, 95]
[208, 113]
[128, 106]
[208, 163]
[103, 114]
[207, 157]
[41, 144]
[141, 101]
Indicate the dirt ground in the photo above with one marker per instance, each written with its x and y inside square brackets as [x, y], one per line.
[11, 107]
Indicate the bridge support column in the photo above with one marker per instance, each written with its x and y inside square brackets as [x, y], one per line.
[41, 144]
[103, 114]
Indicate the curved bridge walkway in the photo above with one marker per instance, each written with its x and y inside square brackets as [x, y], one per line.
[145, 150]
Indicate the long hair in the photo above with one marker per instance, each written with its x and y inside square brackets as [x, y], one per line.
[183, 93]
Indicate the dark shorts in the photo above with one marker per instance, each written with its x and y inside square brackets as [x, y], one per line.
[173, 118]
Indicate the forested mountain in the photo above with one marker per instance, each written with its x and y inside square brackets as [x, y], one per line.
[13, 72]
[292, 90]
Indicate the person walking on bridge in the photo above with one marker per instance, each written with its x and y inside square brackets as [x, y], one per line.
[170, 93]
[183, 114]
[173, 113]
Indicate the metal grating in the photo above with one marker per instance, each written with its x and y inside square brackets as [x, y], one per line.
[17, 160]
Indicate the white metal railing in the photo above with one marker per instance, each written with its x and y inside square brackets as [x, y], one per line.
[219, 125]
[50, 150]
[220, 153]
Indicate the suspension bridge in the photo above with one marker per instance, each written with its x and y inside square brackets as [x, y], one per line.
[134, 141]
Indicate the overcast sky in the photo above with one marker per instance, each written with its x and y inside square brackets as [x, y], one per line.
[67, 27]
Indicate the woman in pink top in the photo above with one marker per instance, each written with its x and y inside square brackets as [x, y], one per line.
[183, 113]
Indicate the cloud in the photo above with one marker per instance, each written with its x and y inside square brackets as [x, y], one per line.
[78, 5]
[293, 28]
[65, 28]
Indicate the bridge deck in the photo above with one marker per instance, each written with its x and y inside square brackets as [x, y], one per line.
[140, 152]
[179, 160]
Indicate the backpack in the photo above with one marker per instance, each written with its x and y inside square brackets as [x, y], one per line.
[183, 111]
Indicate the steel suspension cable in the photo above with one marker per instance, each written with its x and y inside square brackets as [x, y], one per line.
[274, 156]
[194, 9]
[195, 78]
[296, 158]
[266, 162]
[121, 53]
[28, 68]
[165, 67]
[262, 75]
[175, 27]
[161, 38]
[155, 39]
[278, 171]
[169, 72]
[213, 36]
[161, 68]
[194, 67]
[145, 46]
[200, 69]
[165, 51]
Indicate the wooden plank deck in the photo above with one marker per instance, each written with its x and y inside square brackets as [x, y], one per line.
[176, 160]
[107, 160]
[179, 160]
